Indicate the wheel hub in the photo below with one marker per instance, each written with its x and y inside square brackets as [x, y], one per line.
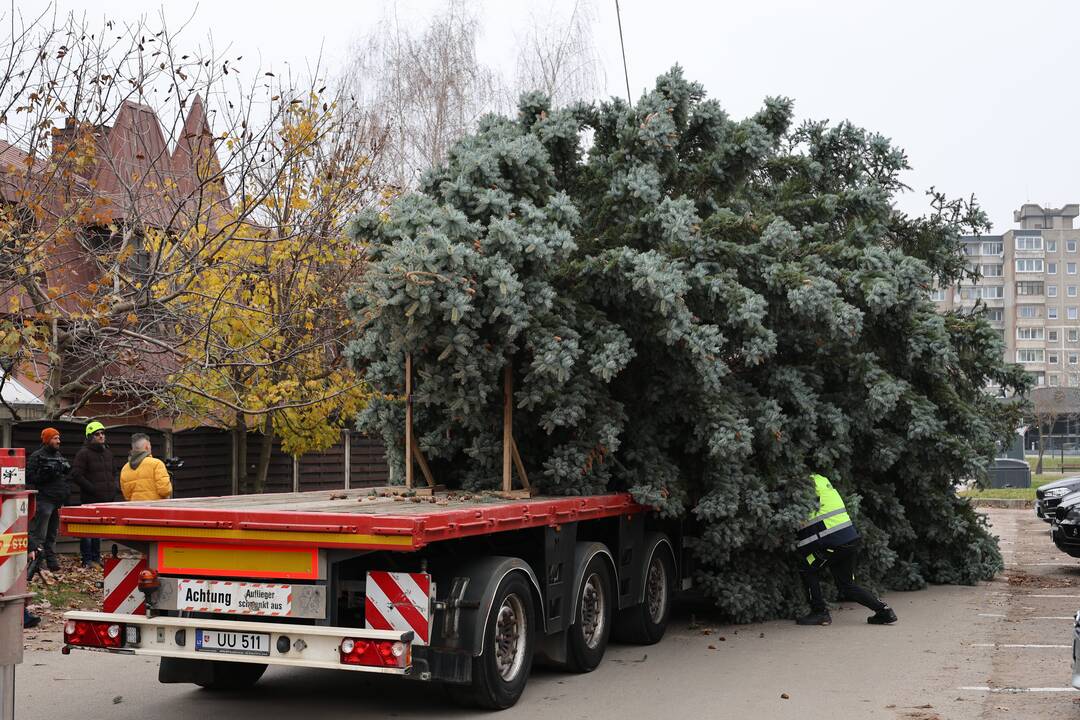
[592, 610]
[510, 629]
[656, 590]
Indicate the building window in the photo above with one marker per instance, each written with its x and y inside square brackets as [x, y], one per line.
[1074, 358]
[1053, 378]
[1051, 291]
[1029, 265]
[1051, 268]
[993, 292]
[1040, 379]
[1071, 313]
[991, 270]
[1070, 268]
[1029, 333]
[1029, 242]
[1028, 312]
[1030, 355]
[1070, 246]
[1052, 358]
[996, 314]
[991, 248]
[1051, 335]
[1051, 246]
[1073, 380]
[1071, 291]
[1051, 313]
[1029, 288]
[1073, 335]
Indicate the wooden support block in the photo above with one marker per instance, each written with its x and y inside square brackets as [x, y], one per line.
[422, 462]
[519, 465]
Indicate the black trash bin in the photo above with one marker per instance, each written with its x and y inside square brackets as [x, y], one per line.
[1010, 473]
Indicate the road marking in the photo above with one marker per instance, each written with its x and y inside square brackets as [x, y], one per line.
[984, 688]
[1050, 564]
[1016, 645]
[1029, 617]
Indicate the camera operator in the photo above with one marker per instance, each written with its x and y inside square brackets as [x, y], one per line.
[47, 472]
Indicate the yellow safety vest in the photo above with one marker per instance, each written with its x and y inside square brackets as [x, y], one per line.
[830, 520]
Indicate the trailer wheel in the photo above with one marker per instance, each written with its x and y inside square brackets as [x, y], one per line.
[646, 622]
[500, 672]
[231, 675]
[588, 636]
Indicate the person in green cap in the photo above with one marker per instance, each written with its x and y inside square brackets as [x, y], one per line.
[93, 472]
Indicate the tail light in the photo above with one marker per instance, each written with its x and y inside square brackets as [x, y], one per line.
[375, 653]
[148, 580]
[93, 634]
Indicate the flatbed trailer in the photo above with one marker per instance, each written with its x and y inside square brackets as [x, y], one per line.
[454, 587]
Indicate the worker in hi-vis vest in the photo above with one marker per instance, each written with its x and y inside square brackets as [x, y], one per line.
[828, 539]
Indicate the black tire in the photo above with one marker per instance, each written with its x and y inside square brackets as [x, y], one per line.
[587, 638]
[232, 675]
[646, 622]
[501, 670]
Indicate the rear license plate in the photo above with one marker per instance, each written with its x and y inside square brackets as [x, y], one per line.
[232, 643]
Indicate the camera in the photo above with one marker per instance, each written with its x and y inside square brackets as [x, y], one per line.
[55, 465]
[173, 463]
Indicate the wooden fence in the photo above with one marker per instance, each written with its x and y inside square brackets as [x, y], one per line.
[210, 459]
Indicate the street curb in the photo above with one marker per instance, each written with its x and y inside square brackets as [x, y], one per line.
[1014, 504]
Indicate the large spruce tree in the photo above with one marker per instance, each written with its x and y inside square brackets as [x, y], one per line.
[701, 311]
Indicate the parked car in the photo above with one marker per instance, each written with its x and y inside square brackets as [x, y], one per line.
[1065, 529]
[1049, 495]
[1076, 652]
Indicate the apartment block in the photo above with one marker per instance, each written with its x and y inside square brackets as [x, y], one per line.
[1031, 285]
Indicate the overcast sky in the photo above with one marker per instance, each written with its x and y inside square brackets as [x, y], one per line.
[981, 95]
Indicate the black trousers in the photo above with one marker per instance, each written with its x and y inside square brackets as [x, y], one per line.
[43, 527]
[840, 562]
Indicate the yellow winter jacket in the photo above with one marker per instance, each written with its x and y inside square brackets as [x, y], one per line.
[148, 480]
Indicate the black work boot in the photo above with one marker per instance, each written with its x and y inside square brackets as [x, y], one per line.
[884, 616]
[816, 617]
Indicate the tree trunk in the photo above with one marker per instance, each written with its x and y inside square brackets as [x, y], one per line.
[241, 454]
[55, 376]
[1042, 449]
[264, 454]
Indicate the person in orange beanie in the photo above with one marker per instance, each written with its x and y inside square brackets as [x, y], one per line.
[47, 472]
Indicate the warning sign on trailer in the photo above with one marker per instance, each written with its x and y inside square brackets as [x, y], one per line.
[239, 598]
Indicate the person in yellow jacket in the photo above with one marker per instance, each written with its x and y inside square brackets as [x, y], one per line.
[144, 477]
[828, 539]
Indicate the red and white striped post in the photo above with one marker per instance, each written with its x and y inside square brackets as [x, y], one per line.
[15, 510]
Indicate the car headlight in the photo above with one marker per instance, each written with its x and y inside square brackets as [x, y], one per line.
[1057, 492]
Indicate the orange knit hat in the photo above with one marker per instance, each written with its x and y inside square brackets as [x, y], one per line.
[48, 434]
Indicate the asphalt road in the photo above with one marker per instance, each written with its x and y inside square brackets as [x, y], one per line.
[949, 657]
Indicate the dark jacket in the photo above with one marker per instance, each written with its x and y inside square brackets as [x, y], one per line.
[93, 471]
[47, 472]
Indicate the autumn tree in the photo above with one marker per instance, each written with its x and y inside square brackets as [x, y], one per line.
[267, 310]
[164, 265]
[1048, 406]
[424, 88]
[558, 56]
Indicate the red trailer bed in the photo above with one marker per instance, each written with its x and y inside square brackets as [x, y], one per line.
[366, 519]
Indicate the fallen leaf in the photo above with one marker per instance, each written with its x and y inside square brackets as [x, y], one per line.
[118, 699]
[785, 696]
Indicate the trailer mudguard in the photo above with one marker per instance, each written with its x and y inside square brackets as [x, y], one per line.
[472, 594]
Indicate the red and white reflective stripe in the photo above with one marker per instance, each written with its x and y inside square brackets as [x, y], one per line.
[122, 594]
[13, 527]
[399, 601]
